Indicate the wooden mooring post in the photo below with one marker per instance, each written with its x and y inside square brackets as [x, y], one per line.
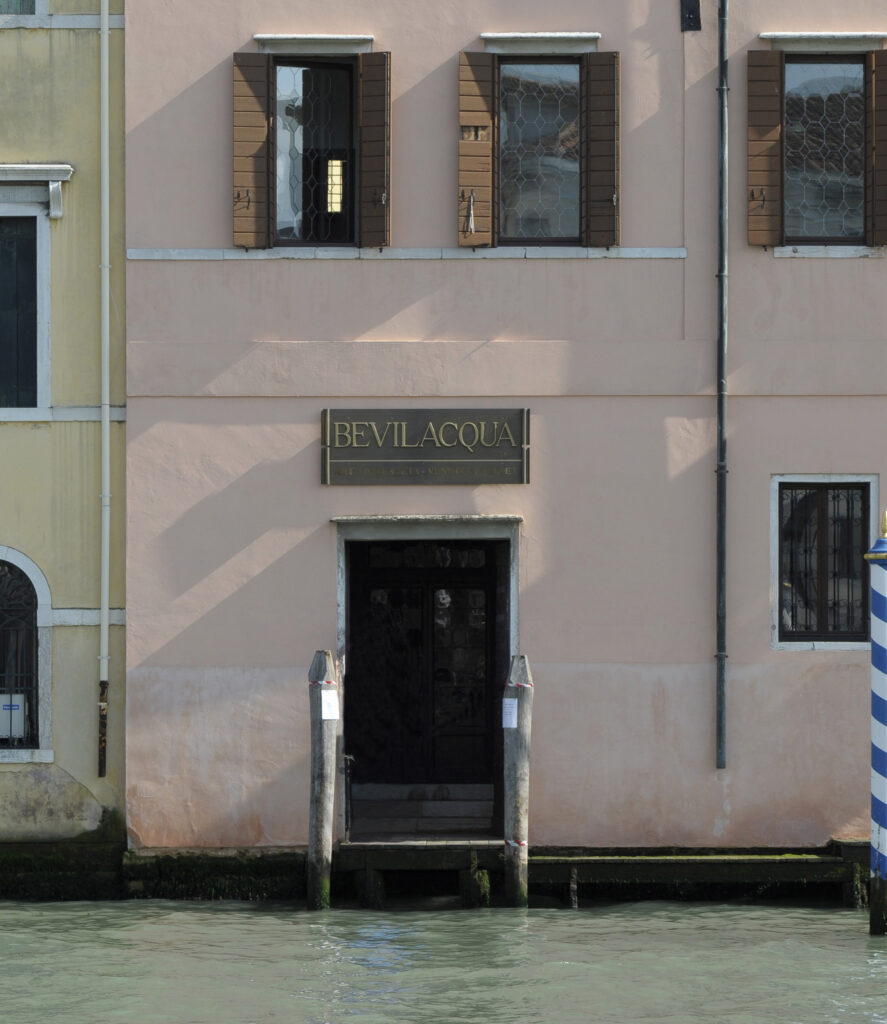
[517, 716]
[323, 697]
[877, 559]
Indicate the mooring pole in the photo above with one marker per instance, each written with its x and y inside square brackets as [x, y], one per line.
[517, 717]
[877, 559]
[323, 698]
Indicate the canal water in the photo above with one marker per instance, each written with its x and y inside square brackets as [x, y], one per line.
[229, 963]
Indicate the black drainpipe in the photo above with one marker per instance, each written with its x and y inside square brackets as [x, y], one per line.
[721, 655]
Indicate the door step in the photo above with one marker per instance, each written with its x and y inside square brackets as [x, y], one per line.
[414, 809]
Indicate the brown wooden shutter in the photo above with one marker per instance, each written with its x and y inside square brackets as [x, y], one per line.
[764, 185]
[477, 118]
[252, 149]
[876, 143]
[599, 188]
[374, 191]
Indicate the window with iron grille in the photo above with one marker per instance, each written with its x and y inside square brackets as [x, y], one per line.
[823, 535]
[18, 311]
[314, 153]
[817, 148]
[18, 659]
[311, 150]
[539, 149]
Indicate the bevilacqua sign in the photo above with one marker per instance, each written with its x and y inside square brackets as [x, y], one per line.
[425, 446]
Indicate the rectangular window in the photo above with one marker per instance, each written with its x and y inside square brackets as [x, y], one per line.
[539, 152]
[823, 583]
[18, 312]
[311, 150]
[824, 150]
[16, 6]
[314, 152]
[817, 149]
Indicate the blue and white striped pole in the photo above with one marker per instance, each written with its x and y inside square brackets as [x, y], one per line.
[877, 559]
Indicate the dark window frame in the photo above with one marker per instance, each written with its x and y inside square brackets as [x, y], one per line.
[19, 371]
[352, 174]
[824, 58]
[785, 574]
[504, 60]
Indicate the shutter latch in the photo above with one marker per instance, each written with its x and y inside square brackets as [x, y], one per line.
[380, 199]
[239, 197]
[471, 213]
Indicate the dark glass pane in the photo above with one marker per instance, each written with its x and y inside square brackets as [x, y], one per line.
[824, 148]
[539, 151]
[18, 311]
[847, 528]
[799, 576]
[18, 659]
[314, 153]
[16, 6]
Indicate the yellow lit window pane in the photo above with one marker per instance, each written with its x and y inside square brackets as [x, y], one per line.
[335, 186]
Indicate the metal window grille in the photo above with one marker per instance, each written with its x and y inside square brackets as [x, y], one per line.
[539, 160]
[18, 659]
[824, 150]
[822, 574]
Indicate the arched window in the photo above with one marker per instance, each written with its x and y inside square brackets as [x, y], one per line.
[19, 726]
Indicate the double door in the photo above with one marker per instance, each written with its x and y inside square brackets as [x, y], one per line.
[421, 661]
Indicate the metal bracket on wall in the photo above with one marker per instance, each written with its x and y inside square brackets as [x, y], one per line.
[691, 21]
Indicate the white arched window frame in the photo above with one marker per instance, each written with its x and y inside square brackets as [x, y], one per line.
[43, 752]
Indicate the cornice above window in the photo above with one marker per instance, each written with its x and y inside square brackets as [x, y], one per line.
[51, 174]
[314, 44]
[824, 42]
[540, 42]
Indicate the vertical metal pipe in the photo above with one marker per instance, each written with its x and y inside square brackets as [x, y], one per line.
[877, 559]
[721, 567]
[105, 568]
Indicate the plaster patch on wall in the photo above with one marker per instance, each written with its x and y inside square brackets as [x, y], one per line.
[44, 802]
[722, 822]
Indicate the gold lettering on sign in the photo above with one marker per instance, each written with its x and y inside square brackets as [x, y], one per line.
[358, 428]
[430, 435]
[341, 429]
[381, 440]
[440, 434]
[506, 430]
[463, 430]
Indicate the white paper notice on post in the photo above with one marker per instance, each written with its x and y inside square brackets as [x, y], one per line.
[509, 712]
[329, 705]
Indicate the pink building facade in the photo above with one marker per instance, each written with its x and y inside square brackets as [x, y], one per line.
[524, 237]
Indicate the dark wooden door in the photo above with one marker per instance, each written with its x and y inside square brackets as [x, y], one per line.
[421, 661]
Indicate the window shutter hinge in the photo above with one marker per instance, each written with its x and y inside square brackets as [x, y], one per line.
[380, 198]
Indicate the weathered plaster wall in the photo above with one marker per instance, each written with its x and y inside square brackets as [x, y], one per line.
[49, 500]
[232, 555]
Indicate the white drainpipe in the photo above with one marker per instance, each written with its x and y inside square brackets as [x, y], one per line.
[104, 32]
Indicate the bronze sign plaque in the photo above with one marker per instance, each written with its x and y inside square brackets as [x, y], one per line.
[425, 446]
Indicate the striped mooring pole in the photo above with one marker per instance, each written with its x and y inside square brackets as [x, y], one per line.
[877, 559]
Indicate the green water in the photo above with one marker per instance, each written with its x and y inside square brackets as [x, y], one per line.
[228, 963]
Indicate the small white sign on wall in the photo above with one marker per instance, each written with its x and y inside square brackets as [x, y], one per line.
[509, 712]
[329, 705]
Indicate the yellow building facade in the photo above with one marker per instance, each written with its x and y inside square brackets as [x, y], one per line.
[62, 418]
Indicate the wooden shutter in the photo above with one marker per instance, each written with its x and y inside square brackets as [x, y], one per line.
[599, 188]
[374, 193]
[477, 118]
[764, 185]
[876, 144]
[253, 200]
